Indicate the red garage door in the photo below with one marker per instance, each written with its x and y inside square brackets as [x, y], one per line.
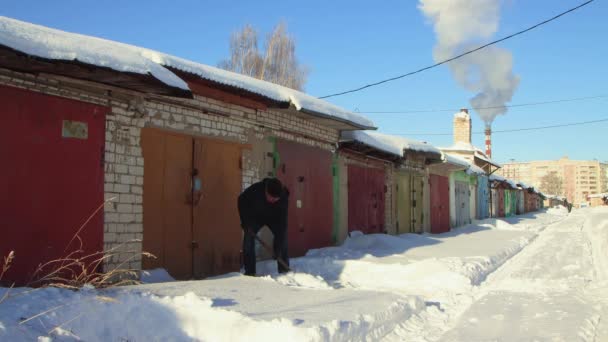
[307, 173]
[440, 204]
[365, 199]
[52, 174]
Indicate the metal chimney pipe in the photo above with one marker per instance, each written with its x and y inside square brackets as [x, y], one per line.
[489, 142]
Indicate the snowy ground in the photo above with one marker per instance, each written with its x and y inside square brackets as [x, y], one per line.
[541, 277]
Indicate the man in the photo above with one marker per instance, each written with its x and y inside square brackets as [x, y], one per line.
[264, 204]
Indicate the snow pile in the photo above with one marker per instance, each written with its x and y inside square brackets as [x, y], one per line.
[389, 143]
[158, 275]
[93, 316]
[49, 43]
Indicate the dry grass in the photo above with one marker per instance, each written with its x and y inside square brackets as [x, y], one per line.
[8, 260]
[74, 272]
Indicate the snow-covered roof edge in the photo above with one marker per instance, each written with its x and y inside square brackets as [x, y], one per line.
[470, 167]
[557, 197]
[48, 43]
[468, 147]
[451, 159]
[388, 143]
[498, 178]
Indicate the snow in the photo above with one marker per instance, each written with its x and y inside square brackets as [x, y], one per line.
[474, 169]
[158, 275]
[598, 195]
[461, 146]
[301, 101]
[539, 276]
[456, 160]
[479, 154]
[388, 143]
[513, 184]
[50, 43]
[452, 159]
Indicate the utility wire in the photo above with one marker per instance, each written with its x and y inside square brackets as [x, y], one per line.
[481, 108]
[518, 129]
[458, 56]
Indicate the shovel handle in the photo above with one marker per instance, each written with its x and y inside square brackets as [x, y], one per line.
[277, 258]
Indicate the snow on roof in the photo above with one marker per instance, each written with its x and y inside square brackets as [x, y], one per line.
[301, 101]
[49, 43]
[498, 178]
[388, 143]
[474, 169]
[598, 195]
[460, 146]
[55, 44]
[479, 154]
[455, 160]
[471, 168]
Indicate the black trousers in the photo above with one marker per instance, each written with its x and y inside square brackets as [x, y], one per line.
[279, 245]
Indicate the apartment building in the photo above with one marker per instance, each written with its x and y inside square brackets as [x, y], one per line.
[580, 178]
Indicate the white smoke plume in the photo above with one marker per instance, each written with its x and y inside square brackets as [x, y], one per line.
[462, 25]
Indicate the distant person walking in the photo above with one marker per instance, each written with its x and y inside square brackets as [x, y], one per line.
[264, 204]
[568, 205]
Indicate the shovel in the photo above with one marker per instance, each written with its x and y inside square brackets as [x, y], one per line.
[270, 250]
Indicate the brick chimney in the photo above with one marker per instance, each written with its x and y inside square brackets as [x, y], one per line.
[462, 127]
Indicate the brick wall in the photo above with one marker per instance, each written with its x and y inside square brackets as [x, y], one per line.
[462, 129]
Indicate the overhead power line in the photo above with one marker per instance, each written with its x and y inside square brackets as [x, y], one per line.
[516, 129]
[458, 56]
[406, 111]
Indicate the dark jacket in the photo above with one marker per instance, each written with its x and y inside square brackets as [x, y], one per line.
[256, 211]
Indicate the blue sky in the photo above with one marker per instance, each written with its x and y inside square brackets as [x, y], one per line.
[347, 44]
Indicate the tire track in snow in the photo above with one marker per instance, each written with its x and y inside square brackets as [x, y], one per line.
[432, 323]
[538, 297]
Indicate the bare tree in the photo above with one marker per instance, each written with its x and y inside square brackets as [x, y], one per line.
[277, 64]
[244, 56]
[551, 183]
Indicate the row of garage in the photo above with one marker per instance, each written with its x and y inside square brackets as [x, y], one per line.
[120, 160]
